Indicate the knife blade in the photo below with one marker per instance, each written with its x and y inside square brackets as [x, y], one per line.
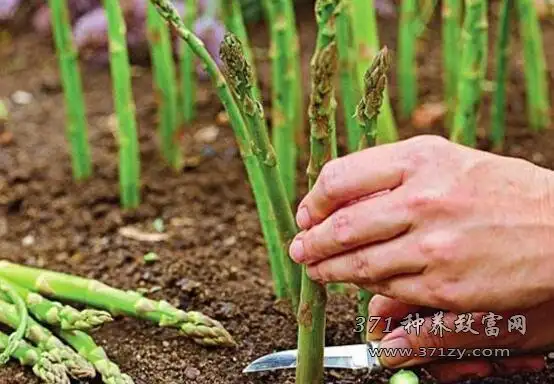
[356, 356]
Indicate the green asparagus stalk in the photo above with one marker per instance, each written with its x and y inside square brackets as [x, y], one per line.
[129, 160]
[187, 67]
[232, 16]
[284, 40]
[472, 71]
[76, 366]
[366, 39]
[165, 85]
[324, 67]
[451, 26]
[404, 377]
[195, 325]
[73, 90]
[367, 112]
[7, 289]
[87, 348]
[59, 315]
[350, 89]
[499, 95]
[407, 41]
[240, 78]
[284, 218]
[538, 104]
[40, 362]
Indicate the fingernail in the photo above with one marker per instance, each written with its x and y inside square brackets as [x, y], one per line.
[399, 351]
[296, 250]
[303, 218]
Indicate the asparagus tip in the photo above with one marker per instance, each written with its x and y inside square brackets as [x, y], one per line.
[375, 81]
[49, 371]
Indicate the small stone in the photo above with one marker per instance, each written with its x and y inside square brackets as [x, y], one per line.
[207, 135]
[158, 225]
[187, 285]
[22, 97]
[165, 343]
[151, 257]
[28, 240]
[192, 373]
[538, 158]
[230, 241]
[428, 114]
[222, 118]
[551, 355]
[6, 138]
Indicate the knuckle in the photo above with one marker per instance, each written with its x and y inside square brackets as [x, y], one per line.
[341, 223]
[438, 246]
[362, 270]
[330, 179]
[424, 200]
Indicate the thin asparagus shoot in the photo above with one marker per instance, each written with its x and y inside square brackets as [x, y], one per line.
[73, 90]
[502, 57]
[195, 325]
[187, 66]
[367, 112]
[366, 40]
[76, 366]
[40, 362]
[472, 73]
[407, 41]
[87, 348]
[129, 160]
[451, 29]
[321, 112]
[164, 85]
[59, 315]
[7, 289]
[538, 103]
[349, 84]
[283, 217]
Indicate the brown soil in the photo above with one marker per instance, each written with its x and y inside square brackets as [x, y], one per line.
[215, 261]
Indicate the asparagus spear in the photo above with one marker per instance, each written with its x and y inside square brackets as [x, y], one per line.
[40, 362]
[499, 95]
[347, 65]
[472, 69]
[165, 85]
[73, 91]
[285, 90]
[129, 161]
[366, 40]
[451, 25]
[76, 366]
[367, 112]
[187, 67]
[88, 349]
[538, 104]
[284, 218]
[59, 315]
[311, 315]
[195, 325]
[407, 40]
[20, 326]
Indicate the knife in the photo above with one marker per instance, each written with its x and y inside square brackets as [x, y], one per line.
[356, 356]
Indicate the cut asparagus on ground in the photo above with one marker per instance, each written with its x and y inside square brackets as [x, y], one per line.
[76, 366]
[57, 314]
[7, 289]
[404, 377]
[195, 325]
[87, 348]
[41, 362]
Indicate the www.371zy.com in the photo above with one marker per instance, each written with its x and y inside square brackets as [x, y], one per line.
[433, 353]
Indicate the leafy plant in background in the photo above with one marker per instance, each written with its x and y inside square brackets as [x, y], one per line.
[187, 67]
[451, 32]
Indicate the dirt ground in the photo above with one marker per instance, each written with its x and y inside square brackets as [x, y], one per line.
[215, 260]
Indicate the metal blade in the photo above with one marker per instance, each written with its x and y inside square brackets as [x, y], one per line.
[341, 357]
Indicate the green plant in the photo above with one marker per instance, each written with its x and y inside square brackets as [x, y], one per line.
[366, 40]
[164, 85]
[129, 160]
[472, 72]
[404, 377]
[277, 196]
[499, 95]
[451, 28]
[187, 67]
[407, 41]
[20, 326]
[73, 91]
[538, 104]
[41, 363]
[321, 112]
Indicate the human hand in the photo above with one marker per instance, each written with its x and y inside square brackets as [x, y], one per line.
[432, 223]
[539, 334]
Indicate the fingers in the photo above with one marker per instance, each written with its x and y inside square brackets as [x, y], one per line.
[385, 313]
[370, 265]
[350, 178]
[363, 223]
[450, 372]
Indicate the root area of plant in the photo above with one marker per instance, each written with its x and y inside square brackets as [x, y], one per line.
[213, 259]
